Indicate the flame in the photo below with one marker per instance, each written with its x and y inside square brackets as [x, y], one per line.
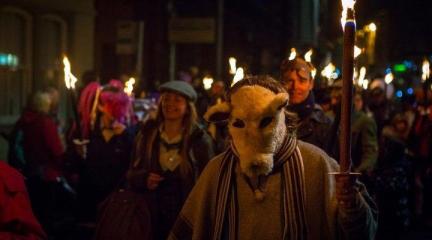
[425, 70]
[388, 78]
[328, 71]
[69, 78]
[362, 76]
[207, 82]
[365, 84]
[371, 27]
[357, 51]
[232, 63]
[239, 75]
[293, 54]
[129, 85]
[345, 5]
[313, 73]
[308, 56]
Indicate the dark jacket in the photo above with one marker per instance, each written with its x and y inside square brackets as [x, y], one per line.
[315, 128]
[166, 200]
[16, 217]
[364, 142]
[101, 172]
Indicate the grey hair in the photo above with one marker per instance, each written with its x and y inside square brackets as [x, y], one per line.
[40, 102]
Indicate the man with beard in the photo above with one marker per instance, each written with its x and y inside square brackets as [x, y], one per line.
[268, 184]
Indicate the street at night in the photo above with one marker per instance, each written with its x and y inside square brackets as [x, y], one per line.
[215, 119]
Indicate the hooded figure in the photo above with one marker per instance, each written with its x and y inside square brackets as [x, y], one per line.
[268, 184]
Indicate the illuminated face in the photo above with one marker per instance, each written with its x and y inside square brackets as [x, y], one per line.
[174, 106]
[297, 86]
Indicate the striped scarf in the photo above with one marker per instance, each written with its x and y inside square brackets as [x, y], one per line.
[292, 195]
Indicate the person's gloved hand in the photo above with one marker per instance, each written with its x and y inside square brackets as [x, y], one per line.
[347, 192]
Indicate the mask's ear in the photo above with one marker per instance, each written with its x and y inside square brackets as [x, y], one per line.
[218, 113]
[280, 101]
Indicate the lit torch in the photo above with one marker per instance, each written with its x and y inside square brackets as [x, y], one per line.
[70, 81]
[329, 73]
[425, 70]
[308, 56]
[349, 25]
[233, 67]
[362, 76]
[207, 82]
[129, 86]
[239, 75]
[293, 54]
[357, 51]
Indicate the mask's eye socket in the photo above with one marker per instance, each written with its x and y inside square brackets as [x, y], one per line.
[238, 123]
[265, 122]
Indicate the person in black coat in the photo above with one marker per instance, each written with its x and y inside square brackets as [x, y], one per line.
[314, 125]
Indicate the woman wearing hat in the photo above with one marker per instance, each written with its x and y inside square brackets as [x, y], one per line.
[170, 153]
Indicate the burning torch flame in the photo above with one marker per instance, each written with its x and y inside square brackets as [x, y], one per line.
[207, 82]
[129, 85]
[365, 84]
[239, 75]
[69, 78]
[425, 70]
[328, 71]
[345, 5]
[232, 63]
[308, 56]
[357, 51]
[355, 74]
[362, 76]
[293, 54]
[371, 27]
[313, 73]
[388, 78]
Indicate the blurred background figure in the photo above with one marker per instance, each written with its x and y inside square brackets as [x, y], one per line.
[392, 179]
[218, 130]
[170, 153]
[42, 162]
[364, 145]
[421, 147]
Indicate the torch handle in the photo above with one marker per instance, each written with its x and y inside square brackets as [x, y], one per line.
[75, 112]
[347, 92]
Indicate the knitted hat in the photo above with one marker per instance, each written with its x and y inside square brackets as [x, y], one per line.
[180, 87]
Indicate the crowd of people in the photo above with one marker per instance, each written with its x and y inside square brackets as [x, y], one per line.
[71, 175]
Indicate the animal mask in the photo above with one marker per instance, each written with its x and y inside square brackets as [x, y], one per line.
[256, 123]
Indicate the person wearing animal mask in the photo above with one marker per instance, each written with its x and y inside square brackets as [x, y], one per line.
[268, 184]
[314, 125]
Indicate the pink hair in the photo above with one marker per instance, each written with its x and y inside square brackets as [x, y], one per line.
[117, 103]
[85, 105]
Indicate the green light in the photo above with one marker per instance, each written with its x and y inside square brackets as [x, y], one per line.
[399, 68]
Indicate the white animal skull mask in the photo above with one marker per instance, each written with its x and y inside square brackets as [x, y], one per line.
[256, 121]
